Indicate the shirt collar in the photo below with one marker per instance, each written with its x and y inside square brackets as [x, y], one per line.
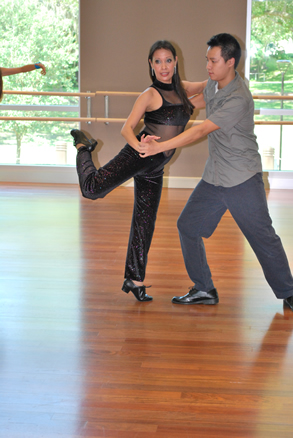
[228, 89]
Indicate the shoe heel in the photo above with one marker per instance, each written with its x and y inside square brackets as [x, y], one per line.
[211, 302]
[125, 289]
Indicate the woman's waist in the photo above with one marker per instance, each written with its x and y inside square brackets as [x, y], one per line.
[167, 154]
[164, 132]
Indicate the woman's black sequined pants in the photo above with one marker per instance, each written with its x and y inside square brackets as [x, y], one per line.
[148, 181]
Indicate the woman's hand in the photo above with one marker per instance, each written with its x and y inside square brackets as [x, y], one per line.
[43, 72]
[147, 139]
[148, 146]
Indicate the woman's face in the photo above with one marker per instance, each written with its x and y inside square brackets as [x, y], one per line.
[163, 64]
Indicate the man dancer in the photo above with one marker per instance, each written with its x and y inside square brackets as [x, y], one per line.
[232, 178]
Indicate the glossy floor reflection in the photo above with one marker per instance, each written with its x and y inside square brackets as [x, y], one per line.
[80, 358]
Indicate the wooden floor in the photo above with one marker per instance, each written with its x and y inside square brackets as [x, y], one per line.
[80, 358]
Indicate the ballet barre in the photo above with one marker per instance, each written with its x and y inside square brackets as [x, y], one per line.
[106, 119]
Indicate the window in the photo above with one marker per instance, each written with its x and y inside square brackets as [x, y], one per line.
[39, 31]
[271, 72]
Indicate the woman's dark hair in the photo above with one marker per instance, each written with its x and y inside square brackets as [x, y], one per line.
[166, 45]
[1, 85]
[230, 48]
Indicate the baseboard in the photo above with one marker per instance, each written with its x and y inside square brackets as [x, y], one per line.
[67, 175]
[39, 174]
[173, 182]
[278, 180]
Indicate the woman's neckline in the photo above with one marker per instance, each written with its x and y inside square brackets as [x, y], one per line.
[163, 85]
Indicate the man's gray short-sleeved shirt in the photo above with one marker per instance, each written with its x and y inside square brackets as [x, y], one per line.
[234, 156]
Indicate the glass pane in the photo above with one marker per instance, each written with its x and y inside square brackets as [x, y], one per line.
[52, 40]
[41, 143]
[271, 72]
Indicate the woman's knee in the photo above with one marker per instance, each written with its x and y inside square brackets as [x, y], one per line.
[88, 195]
[93, 194]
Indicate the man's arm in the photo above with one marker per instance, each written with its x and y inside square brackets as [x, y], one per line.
[147, 148]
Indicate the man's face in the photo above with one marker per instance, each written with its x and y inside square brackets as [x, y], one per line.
[218, 69]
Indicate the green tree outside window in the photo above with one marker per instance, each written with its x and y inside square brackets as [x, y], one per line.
[45, 31]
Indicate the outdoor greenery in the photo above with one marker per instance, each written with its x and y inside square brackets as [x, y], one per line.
[271, 45]
[47, 31]
[39, 31]
[274, 88]
[271, 31]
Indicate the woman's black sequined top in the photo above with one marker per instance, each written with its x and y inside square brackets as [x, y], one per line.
[170, 119]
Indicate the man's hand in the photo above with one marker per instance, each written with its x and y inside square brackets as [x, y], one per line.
[148, 145]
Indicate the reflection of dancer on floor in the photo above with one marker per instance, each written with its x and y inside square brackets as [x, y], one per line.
[17, 70]
[166, 110]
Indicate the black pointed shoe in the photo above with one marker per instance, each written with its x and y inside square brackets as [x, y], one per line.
[195, 296]
[80, 137]
[138, 291]
[289, 302]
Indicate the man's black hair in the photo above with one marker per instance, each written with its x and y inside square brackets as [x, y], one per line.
[230, 48]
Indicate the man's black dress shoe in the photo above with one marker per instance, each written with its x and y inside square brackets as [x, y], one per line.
[289, 302]
[195, 296]
[138, 291]
[80, 137]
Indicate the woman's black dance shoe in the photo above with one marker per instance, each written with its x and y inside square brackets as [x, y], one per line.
[80, 137]
[138, 291]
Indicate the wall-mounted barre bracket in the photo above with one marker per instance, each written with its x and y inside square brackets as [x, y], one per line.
[106, 100]
[88, 108]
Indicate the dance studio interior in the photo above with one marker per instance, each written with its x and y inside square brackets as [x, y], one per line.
[80, 358]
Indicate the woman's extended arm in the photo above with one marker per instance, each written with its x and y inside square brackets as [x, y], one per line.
[198, 101]
[23, 69]
[193, 88]
[143, 103]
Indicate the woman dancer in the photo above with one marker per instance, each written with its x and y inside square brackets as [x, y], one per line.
[166, 110]
[16, 70]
